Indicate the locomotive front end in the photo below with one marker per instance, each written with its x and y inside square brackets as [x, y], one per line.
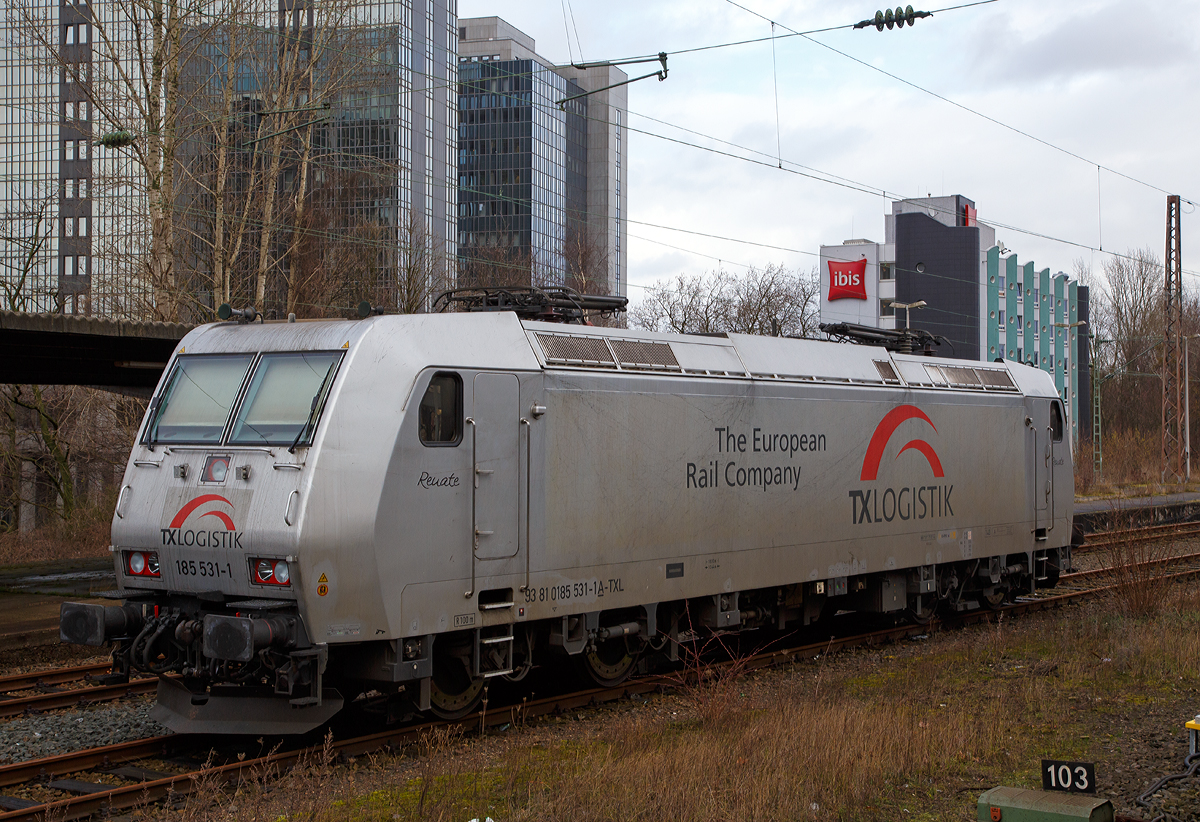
[206, 540]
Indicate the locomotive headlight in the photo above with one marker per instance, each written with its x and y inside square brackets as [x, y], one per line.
[270, 572]
[142, 563]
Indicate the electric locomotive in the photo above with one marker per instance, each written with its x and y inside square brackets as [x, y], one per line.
[411, 506]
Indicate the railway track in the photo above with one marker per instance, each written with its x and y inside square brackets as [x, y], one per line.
[48, 679]
[50, 696]
[1149, 533]
[68, 773]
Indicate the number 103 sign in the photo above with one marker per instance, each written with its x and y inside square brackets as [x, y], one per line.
[1074, 777]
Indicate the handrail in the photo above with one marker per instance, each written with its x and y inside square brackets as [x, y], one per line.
[528, 486]
[474, 485]
[1050, 476]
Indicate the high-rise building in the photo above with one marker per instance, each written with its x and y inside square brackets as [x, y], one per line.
[976, 295]
[541, 156]
[340, 116]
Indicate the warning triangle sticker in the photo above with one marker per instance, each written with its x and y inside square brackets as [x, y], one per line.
[346, 344]
[323, 579]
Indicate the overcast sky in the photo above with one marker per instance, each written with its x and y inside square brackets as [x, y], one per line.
[1115, 83]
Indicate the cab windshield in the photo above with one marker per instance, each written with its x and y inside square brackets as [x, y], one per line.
[284, 399]
[196, 403]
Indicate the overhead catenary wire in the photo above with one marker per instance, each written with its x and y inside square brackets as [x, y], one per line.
[882, 192]
[954, 103]
[847, 183]
[792, 33]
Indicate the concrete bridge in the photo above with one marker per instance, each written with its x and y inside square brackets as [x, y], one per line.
[64, 349]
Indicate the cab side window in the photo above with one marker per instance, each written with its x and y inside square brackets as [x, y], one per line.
[440, 414]
[1056, 422]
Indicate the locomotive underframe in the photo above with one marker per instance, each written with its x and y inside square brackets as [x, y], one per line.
[252, 669]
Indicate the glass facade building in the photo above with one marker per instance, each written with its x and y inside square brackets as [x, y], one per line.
[366, 152]
[521, 164]
[541, 154]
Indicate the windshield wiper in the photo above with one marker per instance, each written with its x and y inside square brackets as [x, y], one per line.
[312, 410]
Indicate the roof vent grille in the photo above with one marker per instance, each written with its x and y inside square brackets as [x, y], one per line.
[996, 379]
[565, 349]
[886, 372]
[638, 354]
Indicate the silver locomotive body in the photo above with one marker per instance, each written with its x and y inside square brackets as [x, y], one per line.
[426, 502]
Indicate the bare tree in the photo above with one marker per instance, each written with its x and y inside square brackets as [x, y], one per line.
[587, 261]
[1127, 314]
[26, 231]
[424, 270]
[770, 300]
[685, 305]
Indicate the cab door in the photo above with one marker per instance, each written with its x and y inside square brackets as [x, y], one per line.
[1062, 492]
[1044, 428]
[495, 428]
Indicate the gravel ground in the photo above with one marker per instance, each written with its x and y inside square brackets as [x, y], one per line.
[32, 737]
[1139, 747]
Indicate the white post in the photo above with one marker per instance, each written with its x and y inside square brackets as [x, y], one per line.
[1187, 418]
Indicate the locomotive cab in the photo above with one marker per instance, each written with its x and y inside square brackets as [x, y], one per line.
[206, 548]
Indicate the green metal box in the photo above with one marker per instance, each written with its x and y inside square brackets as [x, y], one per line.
[1024, 805]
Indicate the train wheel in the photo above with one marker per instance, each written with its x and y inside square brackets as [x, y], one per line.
[994, 601]
[453, 692]
[608, 663]
[922, 615]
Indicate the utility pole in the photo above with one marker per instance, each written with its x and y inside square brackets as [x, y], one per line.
[1172, 404]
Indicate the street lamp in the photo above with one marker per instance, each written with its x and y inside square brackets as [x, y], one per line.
[907, 307]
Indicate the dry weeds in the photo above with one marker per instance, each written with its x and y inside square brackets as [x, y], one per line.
[86, 534]
[1140, 587]
[864, 735]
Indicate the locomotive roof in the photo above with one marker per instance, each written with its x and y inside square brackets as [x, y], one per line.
[501, 341]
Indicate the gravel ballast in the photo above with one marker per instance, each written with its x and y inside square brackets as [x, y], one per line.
[33, 737]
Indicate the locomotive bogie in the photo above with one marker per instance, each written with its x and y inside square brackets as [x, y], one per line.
[418, 505]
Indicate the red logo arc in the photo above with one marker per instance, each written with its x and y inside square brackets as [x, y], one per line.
[883, 432]
[187, 510]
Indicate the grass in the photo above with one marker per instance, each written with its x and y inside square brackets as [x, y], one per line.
[922, 727]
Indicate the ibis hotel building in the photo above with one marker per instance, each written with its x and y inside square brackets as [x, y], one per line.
[978, 295]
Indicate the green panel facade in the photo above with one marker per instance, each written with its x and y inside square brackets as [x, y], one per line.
[1057, 316]
[1042, 318]
[1011, 312]
[993, 304]
[1028, 314]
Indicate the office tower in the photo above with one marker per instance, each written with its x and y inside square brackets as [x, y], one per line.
[541, 156]
[286, 155]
